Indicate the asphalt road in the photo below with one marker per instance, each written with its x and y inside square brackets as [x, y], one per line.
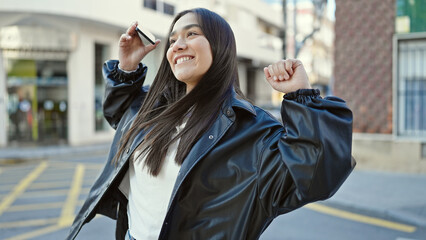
[38, 200]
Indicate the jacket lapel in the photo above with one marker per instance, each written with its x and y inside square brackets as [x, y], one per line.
[209, 139]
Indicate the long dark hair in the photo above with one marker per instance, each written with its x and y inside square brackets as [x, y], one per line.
[167, 104]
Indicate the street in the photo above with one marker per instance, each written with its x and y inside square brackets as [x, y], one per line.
[39, 200]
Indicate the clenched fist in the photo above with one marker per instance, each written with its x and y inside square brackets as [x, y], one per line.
[287, 76]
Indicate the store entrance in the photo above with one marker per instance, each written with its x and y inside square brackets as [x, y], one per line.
[37, 101]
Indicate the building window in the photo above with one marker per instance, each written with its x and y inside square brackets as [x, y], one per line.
[414, 99]
[411, 88]
[160, 6]
[101, 55]
[151, 4]
[169, 9]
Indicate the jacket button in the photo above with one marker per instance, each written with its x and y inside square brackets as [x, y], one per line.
[211, 137]
[229, 113]
[127, 150]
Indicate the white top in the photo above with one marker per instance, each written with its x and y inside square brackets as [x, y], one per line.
[148, 195]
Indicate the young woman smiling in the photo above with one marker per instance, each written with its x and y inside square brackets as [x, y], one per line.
[192, 159]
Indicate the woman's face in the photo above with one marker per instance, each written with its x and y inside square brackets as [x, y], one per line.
[190, 54]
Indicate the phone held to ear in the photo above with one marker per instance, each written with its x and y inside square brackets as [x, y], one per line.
[145, 36]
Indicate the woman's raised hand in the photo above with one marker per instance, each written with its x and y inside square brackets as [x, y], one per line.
[287, 76]
[132, 50]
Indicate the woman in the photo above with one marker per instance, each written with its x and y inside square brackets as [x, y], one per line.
[192, 160]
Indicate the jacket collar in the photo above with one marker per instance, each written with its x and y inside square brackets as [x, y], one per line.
[237, 103]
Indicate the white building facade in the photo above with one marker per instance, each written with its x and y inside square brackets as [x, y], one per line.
[51, 55]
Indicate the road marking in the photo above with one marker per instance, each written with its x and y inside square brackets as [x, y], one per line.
[11, 180]
[41, 231]
[49, 193]
[361, 218]
[45, 185]
[60, 176]
[38, 232]
[22, 185]
[91, 166]
[38, 206]
[29, 223]
[67, 215]
[44, 193]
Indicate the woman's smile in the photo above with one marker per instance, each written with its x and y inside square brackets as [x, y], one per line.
[182, 59]
[189, 55]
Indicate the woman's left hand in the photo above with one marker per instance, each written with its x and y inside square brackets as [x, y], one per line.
[287, 76]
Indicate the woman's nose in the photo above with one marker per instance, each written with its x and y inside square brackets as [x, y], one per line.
[180, 44]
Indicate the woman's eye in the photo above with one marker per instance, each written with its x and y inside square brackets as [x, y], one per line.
[171, 41]
[192, 34]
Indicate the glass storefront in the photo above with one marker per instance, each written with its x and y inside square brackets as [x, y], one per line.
[36, 101]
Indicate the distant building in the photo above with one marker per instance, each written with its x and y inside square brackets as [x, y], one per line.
[317, 51]
[51, 53]
[381, 73]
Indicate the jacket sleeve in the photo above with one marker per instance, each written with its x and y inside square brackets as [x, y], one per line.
[121, 89]
[310, 157]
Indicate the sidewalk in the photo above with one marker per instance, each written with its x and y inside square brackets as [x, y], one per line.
[397, 196]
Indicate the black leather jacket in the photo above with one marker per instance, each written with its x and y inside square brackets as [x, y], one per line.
[245, 170]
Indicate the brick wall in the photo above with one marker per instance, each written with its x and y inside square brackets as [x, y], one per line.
[363, 61]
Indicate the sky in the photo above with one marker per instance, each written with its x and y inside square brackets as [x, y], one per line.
[330, 9]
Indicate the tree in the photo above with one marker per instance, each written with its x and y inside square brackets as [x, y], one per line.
[319, 9]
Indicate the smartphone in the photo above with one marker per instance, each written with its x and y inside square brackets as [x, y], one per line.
[145, 36]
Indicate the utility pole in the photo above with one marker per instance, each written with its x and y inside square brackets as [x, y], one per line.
[284, 31]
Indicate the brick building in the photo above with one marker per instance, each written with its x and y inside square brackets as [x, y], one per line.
[389, 127]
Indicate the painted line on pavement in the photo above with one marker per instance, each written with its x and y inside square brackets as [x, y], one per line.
[38, 206]
[42, 231]
[47, 185]
[59, 176]
[29, 223]
[44, 193]
[49, 193]
[67, 215]
[38, 232]
[361, 218]
[91, 166]
[22, 186]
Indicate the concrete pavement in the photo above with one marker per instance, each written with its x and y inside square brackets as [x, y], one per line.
[397, 196]
[394, 196]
